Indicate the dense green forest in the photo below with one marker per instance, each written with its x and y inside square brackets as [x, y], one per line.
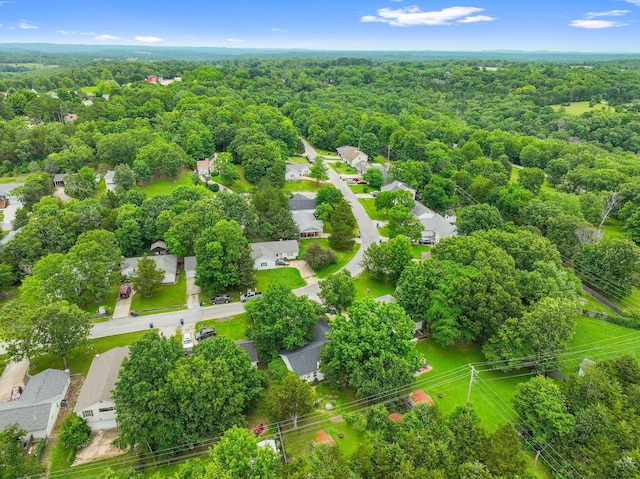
[547, 200]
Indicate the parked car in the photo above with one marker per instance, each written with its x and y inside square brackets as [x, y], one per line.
[205, 333]
[352, 181]
[187, 343]
[16, 392]
[426, 241]
[250, 295]
[282, 262]
[125, 290]
[362, 182]
[221, 299]
[374, 193]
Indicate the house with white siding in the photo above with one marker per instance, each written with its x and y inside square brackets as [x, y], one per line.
[351, 155]
[265, 254]
[95, 402]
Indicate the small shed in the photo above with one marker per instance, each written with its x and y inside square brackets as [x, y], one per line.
[418, 397]
[159, 247]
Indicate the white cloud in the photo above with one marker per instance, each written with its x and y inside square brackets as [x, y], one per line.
[610, 13]
[634, 2]
[88, 34]
[24, 25]
[595, 24]
[236, 40]
[279, 30]
[414, 16]
[106, 36]
[64, 32]
[476, 19]
[144, 39]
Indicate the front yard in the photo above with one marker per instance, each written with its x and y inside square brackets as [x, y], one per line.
[369, 205]
[303, 186]
[283, 274]
[234, 327]
[167, 296]
[342, 257]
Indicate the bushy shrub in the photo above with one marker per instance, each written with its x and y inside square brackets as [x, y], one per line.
[317, 257]
[74, 433]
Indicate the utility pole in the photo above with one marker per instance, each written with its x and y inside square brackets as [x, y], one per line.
[388, 152]
[471, 378]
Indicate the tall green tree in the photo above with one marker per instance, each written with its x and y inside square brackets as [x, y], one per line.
[319, 171]
[146, 278]
[280, 320]
[372, 350]
[223, 257]
[343, 224]
[82, 185]
[36, 186]
[61, 328]
[14, 462]
[478, 217]
[124, 177]
[373, 176]
[290, 399]
[337, 291]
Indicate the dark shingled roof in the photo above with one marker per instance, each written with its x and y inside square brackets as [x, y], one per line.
[305, 360]
[250, 347]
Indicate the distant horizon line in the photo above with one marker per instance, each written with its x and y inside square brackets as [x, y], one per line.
[239, 48]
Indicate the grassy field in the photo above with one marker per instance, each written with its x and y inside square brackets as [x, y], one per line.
[298, 159]
[369, 205]
[613, 229]
[166, 296]
[284, 274]
[234, 327]
[342, 257]
[367, 287]
[89, 89]
[303, 185]
[240, 185]
[165, 186]
[592, 304]
[79, 361]
[580, 107]
[342, 168]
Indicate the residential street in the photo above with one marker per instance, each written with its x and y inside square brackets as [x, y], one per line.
[368, 235]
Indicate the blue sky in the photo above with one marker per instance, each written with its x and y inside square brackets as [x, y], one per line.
[560, 25]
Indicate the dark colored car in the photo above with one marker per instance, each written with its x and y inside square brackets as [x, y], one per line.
[221, 299]
[362, 182]
[205, 333]
[282, 262]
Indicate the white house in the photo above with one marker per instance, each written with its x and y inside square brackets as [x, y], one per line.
[265, 254]
[108, 180]
[204, 167]
[167, 263]
[37, 408]
[351, 155]
[434, 225]
[308, 224]
[294, 171]
[305, 361]
[95, 403]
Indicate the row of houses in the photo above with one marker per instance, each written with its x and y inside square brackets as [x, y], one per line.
[359, 160]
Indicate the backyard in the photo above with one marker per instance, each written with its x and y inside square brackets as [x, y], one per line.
[241, 185]
[165, 186]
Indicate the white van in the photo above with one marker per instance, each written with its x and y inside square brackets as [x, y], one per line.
[187, 343]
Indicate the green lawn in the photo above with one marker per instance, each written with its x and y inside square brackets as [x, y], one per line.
[384, 231]
[580, 107]
[234, 327]
[342, 257]
[167, 295]
[613, 228]
[418, 249]
[298, 159]
[284, 274]
[379, 159]
[303, 185]
[165, 186]
[361, 188]
[109, 301]
[369, 205]
[79, 361]
[240, 185]
[374, 287]
[593, 304]
[341, 167]
[89, 89]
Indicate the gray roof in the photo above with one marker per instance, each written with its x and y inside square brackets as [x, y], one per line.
[386, 298]
[164, 262]
[432, 221]
[306, 221]
[396, 185]
[270, 249]
[190, 266]
[32, 410]
[301, 202]
[305, 360]
[58, 177]
[158, 244]
[7, 188]
[299, 167]
[250, 347]
[9, 236]
[108, 177]
[101, 378]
